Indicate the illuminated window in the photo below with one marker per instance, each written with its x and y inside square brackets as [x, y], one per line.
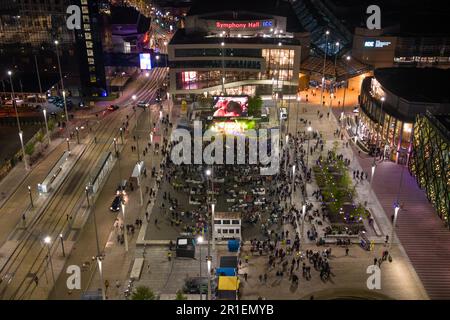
[85, 19]
[90, 53]
[91, 61]
[85, 9]
[91, 68]
[89, 44]
[87, 26]
[83, 1]
[126, 47]
[93, 78]
[88, 35]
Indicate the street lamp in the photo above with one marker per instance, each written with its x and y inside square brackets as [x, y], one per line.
[87, 196]
[68, 145]
[293, 181]
[396, 210]
[46, 125]
[62, 85]
[62, 244]
[335, 64]
[222, 44]
[121, 134]
[78, 136]
[380, 127]
[17, 118]
[345, 90]
[374, 165]
[200, 241]
[100, 271]
[31, 197]
[331, 102]
[327, 33]
[296, 115]
[115, 147]
[303, 222]
[307, 151]
[122, 205]
[48, 241]
[134, 97]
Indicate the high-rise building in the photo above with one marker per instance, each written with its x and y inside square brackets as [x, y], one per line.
[90, 49]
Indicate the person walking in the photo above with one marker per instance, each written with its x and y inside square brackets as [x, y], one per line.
[346, 251]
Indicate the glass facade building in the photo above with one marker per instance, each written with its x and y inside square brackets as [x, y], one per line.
[430, 161]
[391, 100]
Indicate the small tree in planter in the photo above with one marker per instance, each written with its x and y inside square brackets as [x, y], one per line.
[143, 293]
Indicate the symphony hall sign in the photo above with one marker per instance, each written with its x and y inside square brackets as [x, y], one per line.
[243, 25]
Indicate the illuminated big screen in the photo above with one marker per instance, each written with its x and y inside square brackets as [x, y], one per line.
[230, 106]
[145, 61]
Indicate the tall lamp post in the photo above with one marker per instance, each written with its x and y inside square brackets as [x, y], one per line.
[293, 181]
[78, 134]
[303, 222]
[210, 173]
[62, 244]
[31, 196]
[379, 126]
[199, 242]
[122, 205]
[48, 242]
[222, 44]
[62, 86]
[335, 66]
[396, 210]
[345, 90]
[46, 125]
[17, 118]
[307, 151]
[327, 33]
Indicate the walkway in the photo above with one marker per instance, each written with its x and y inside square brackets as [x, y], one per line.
[421, 232]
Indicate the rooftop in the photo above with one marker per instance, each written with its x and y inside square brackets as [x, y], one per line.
[129, 16]
[180, 37]
[253, 7]
[413, 17]
[427, 85]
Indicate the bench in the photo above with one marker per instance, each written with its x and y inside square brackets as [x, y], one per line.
[137, 268]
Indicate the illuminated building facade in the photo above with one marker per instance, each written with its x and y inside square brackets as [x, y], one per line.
[254, 50]
[430, 161]
[90, 49]
[390, 102]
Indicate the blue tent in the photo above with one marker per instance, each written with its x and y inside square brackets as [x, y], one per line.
[233, 245]
[231, 272]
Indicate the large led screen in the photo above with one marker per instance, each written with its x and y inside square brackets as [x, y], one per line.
[230, 106]
[145, 60]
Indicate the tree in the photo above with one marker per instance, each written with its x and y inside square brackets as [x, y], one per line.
[180, 296]
[29, 148]
[254, 106]
[143, 293]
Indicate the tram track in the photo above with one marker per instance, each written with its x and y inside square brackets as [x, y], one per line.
[30, 255]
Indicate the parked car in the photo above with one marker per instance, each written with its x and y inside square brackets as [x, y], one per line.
[115, 206]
